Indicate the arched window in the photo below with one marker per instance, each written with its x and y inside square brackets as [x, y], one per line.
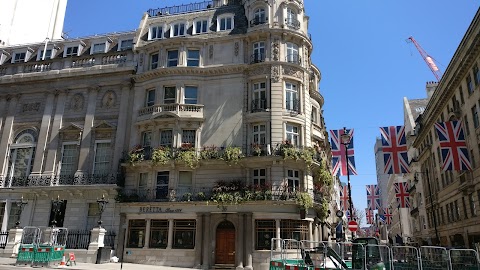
[22, 152]
[291, 20]
[259, 17]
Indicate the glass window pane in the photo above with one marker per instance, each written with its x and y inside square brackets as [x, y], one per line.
[190, 95]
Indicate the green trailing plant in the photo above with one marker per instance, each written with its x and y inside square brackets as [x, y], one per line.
[321, 209]
[257, 149]
[201, 196]
[232, 155]
[189, 157]
[304, 200]
[187, 196]
[209, 152]
[161, 155]
[323, 179]
[136, 155]
[307, 154]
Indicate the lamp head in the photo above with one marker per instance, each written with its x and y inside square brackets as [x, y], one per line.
[345, 137]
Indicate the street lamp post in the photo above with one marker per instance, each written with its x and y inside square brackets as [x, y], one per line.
[346, 138]
[102, 203]
[21, 205]
[431, 203]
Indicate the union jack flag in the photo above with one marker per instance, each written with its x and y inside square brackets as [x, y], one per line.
[347, 214]
[373, 197]
[394, 149]
[344, 198]
[452, 146]
[387, 215]
[402, 195]
[369, 216]
[339, 164]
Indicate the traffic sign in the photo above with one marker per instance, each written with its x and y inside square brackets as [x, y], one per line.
[353, 226]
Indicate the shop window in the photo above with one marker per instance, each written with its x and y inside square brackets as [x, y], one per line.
[294, 229]
[184, 234]
[136, 233]
[264, 232]
[158, 233]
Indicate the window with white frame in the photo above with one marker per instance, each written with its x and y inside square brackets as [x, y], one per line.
[193, 58]
[172, 58]
[93, 214]
[161, 191]
[259, 134]
[225, 23]
[48, 54]
[19, 57]
[146, 138]
[259, 96]
[169, 94]
[156, 32]
[13, 215]
[188, 137]
[154, 61]
[291, 97]
[190, 95]
[291, 19]
[201, 26]
[68, 165]
[150, 97]
[125, 44]
[71, 51]
[292, 53]
[22, 154]
[259, 16]
[293, 180]
[292, 134]
[259, 177]
[166, 138]
[314, 115]
[185, 183]
[258, 52]
[99, 48]
[177, 29]
[102, 159]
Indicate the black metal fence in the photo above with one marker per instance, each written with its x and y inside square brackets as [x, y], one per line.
[3, 239]
[78, 239]
[109, 240]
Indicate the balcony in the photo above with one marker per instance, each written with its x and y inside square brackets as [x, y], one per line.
[466, 184]
[293, 105]
[259, 105]
[292, 23]
[294, 58]
[317, 131]
[58, 180]
[182, 9]
[179, 110]
[258, 21]
[257, 58]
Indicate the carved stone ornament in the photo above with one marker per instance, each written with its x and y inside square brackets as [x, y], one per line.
[140, 59]
[275, 73]
[237, 48]
[108, 100]
[210, 51]
[291, 71]
[263, 70]
[31, 107]
[275, 50]
[76, 102]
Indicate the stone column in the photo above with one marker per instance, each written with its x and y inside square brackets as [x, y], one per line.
[13, 241]
[249, 242]
[170, 234]
[277, 234]
[7, 132]
[147, 233]
[121, 125]
[6, 214]
[3, 103]
[240, 241]
[83, 162]
[199, 241]
[206, 242]
[54, 136]
[96, 240]
[43, 135]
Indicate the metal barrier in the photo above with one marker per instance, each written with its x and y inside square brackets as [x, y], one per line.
[28, 243]
[464, 259]
[434, 258]
[405, 258]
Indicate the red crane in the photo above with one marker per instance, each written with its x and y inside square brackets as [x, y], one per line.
[427, 58]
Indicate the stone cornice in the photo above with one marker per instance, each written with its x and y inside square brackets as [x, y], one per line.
[219, 70]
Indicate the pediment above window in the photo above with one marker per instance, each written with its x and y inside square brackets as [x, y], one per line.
[71, 132]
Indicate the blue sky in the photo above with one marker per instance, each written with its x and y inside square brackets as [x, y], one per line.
[359, 45]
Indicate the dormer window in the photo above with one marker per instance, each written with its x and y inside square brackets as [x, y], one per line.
[125, 44]
[156, 32]
[44, 55]
[225, 23]
[291, 19]
[201, 26]
[19, 57]
[71, 51]
[98, 48]
[178, 29]
[258, 17]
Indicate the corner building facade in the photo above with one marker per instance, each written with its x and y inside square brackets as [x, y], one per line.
[230, 79]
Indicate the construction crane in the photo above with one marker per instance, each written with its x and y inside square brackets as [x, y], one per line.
[427, 58]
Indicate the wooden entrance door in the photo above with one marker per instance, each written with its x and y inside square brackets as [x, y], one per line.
[225, 243]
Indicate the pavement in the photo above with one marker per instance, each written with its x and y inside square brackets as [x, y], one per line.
[9, 263]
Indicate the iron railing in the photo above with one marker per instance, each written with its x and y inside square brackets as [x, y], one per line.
[293, 105]
[58, 180]
[258, 21]
[292, 23]
[78, 239]
[257, 58]
[259, 105]
[293, 58]
[109, 240]
[180, 9]
[3, 239]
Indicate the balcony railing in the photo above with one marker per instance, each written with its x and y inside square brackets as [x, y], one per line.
[293, 105]
[293, 58]
[257, 58]
[58, 180]
[179, 109]
[186, 8]
[293, 23]
[258, 21]
[259, 105]
[37, 67]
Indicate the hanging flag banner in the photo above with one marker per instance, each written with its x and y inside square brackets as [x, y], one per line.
[394, 148]
[453, 147]
[339, 159]
[369, 216]
[402, 195]
[373, 197]
[344, 205]
[387, 215]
